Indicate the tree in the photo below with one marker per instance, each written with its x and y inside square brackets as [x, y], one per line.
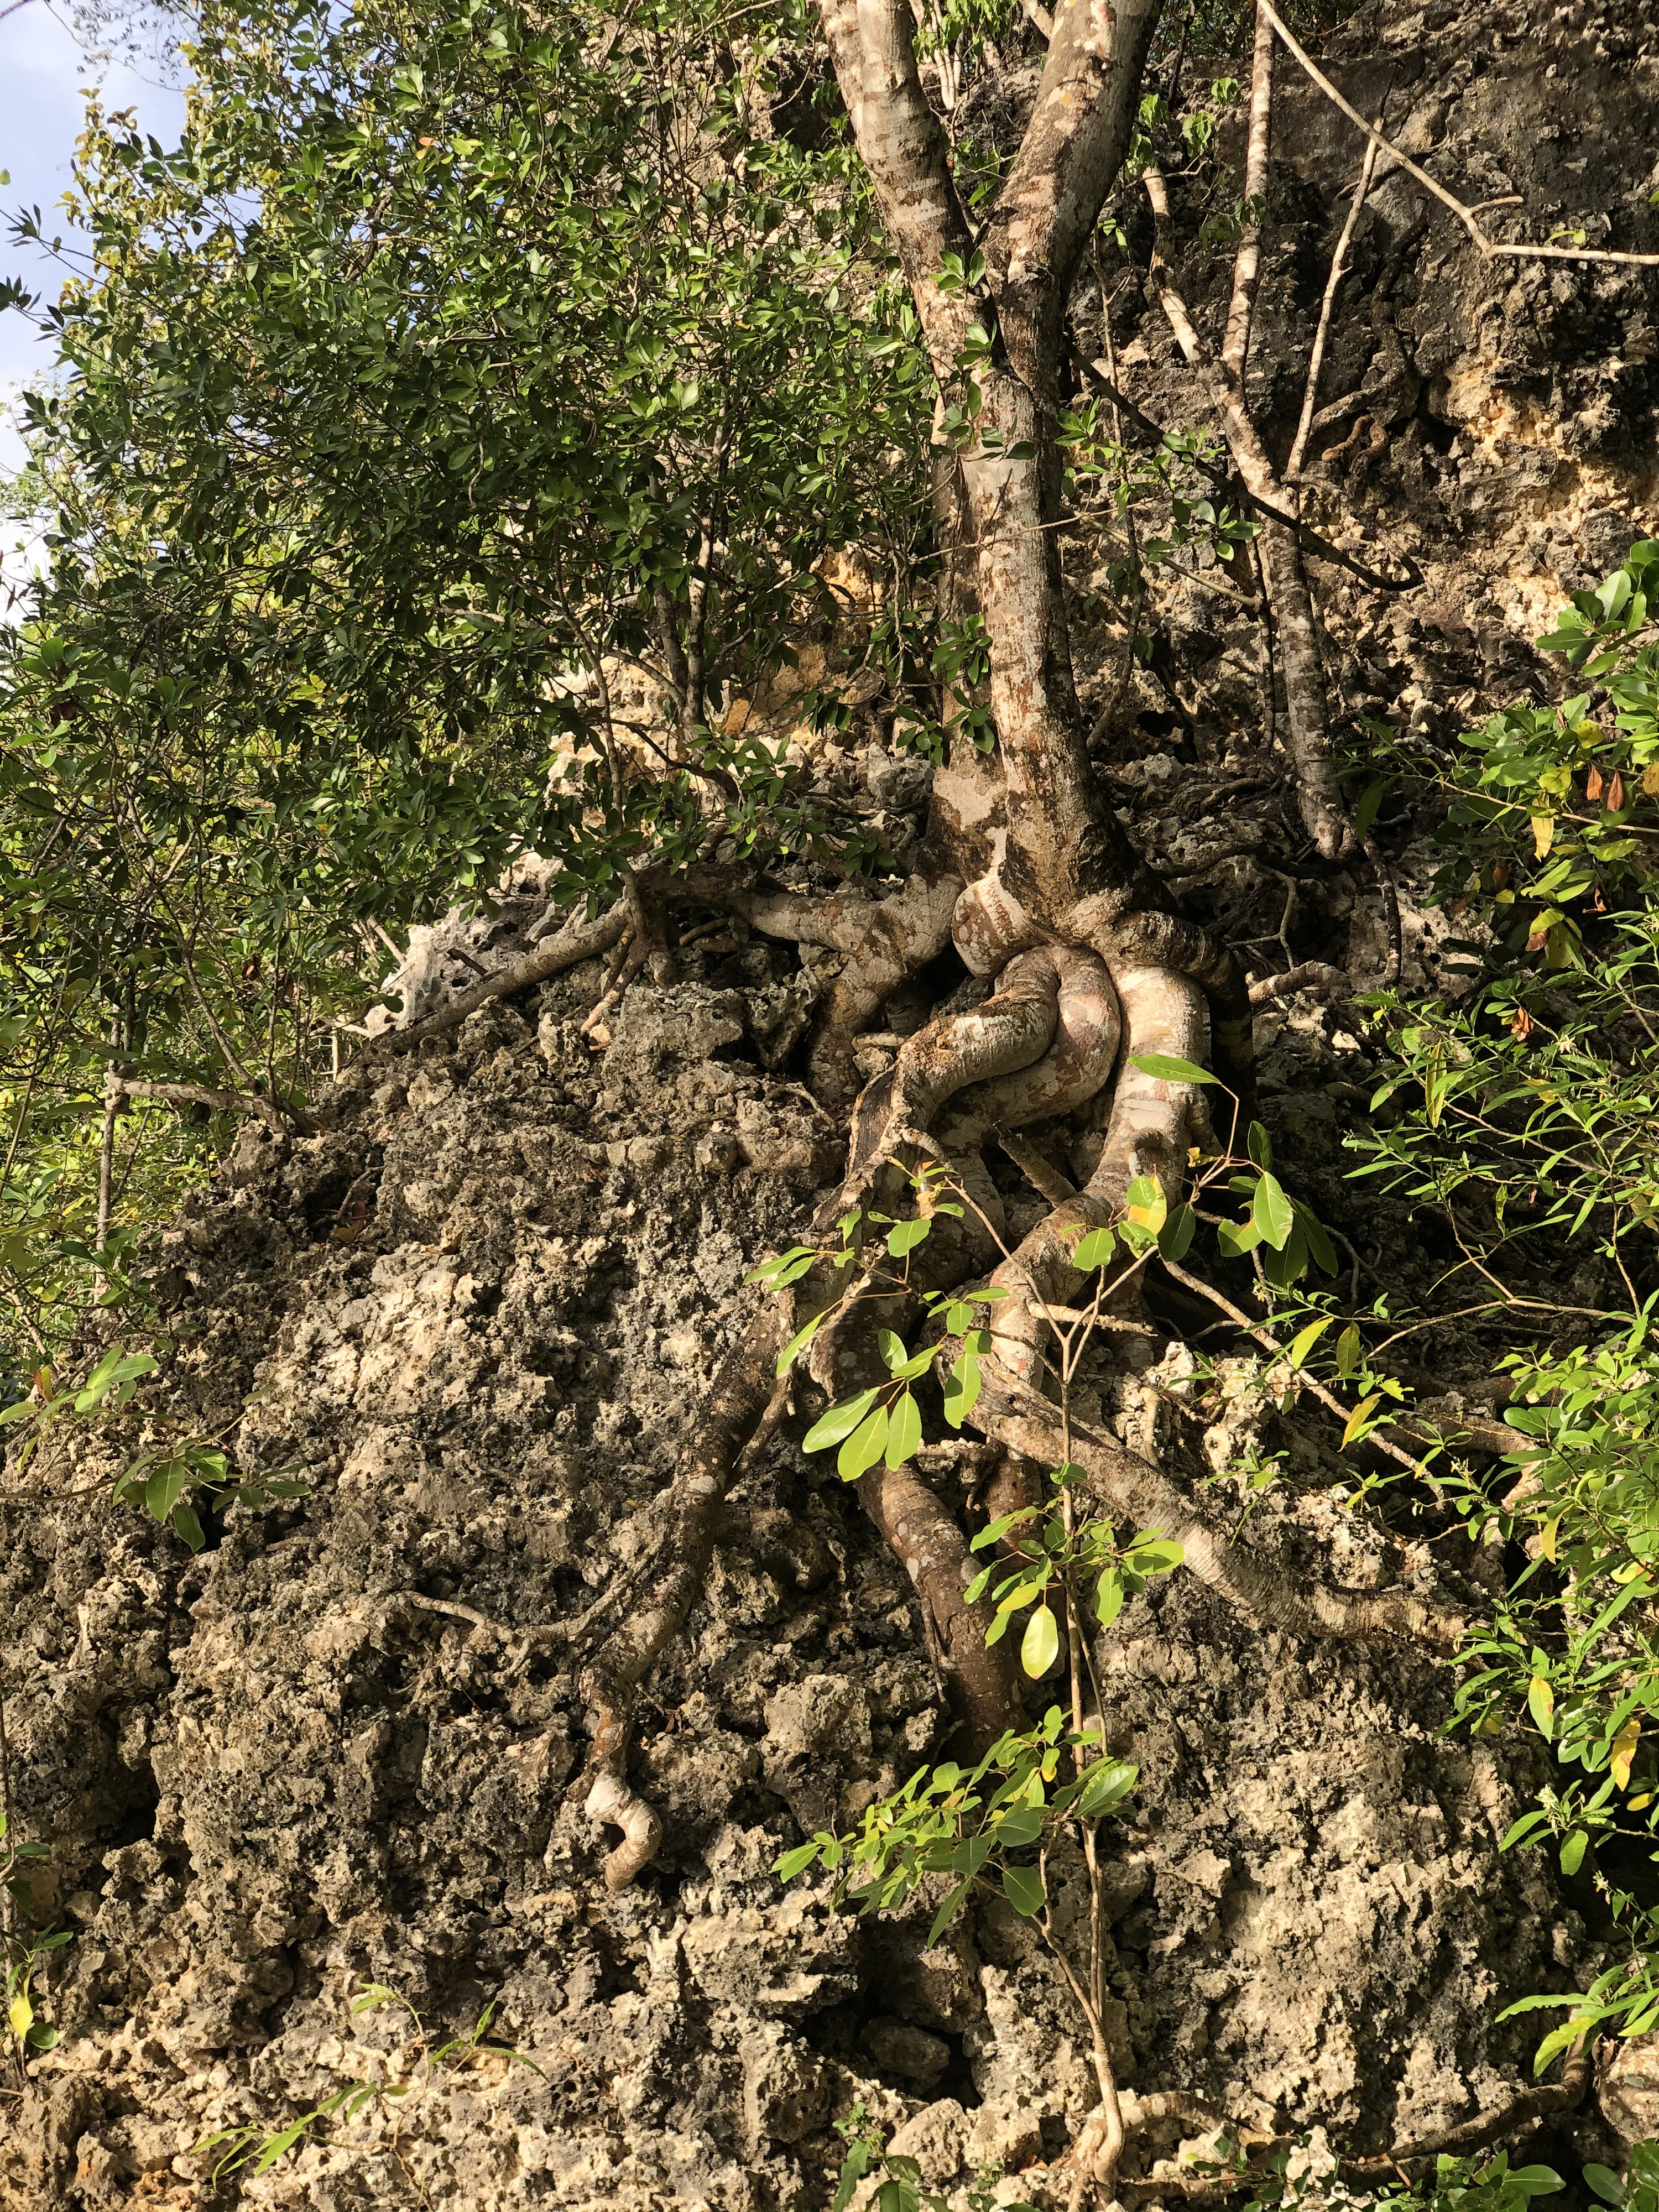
[445, 376]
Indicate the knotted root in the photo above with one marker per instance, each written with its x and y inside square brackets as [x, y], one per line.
[744, 1408]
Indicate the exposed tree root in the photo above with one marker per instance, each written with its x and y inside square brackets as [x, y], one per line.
[934, 1554]
[576, 942]
[1312, 975]
[1136, 1491]
[744, 1407]
[1521, 2110]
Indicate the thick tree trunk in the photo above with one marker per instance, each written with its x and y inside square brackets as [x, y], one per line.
[1063, 843]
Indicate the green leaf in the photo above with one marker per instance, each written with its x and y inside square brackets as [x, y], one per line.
[948, 1911]
[838, 1422]
[1523, 1827]
[798, 1342]
[1558, 2039]
[1324, 1251]
[1013, 1831]
[1361, 1414]
[1348, 1349]
[1105, 1789]
[1175, 1238]
[962, 1388]
[277, 2144]
[1156, 1555]
[1270, 1210]
[856, 2165]
[188, 1526]
[166, 1487]
[1304, 1340]
[892, 1348]
[795, 1862]
[1041, 1645]
[903, 1429]
[1606, 2183]
[1168, 1069]
[1237, 1238]
[1572, 1852]
[1260, 1145]
[904, 1236]
[1541, 1703]
[1109, 1596]
[1092, 1250]
[994, 1531]
[1366, 813]
[1023, 1887]
[863, 1447]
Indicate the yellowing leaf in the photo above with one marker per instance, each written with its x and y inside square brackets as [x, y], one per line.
[1040, 1644]
[1305, 1340]
[21, 2014]
[1541, 1703]
[1359, 1416]
[1547, 1538]
[1624, 1750]
[1543, 833]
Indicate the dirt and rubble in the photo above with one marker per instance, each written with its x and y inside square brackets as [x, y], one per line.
[471, 1316]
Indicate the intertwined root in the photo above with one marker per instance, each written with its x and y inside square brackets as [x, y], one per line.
[1066, 1020]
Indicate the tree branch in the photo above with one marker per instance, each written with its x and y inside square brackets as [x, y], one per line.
[1489, 249]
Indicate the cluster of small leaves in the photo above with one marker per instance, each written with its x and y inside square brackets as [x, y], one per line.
[257, 2149]
[1053, 1558]
[970, 1822]
[901, 2178]
[1526, 1110]
[1172, 481]
[25, 1951]
[1557, 814]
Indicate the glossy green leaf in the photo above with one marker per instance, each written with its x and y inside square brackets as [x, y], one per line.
[1167, 1068]
[1093, 1249]
[1023, 1887]
[903, 1429]
[838, 1422]
[1174, 1239]
[863, 1447]
[1271, 1213]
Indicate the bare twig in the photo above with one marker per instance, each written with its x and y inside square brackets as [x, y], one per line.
[280, 1116]
[1316, 358]
[1488, 248]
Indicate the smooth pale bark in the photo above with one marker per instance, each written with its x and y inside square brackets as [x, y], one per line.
[1062, 840]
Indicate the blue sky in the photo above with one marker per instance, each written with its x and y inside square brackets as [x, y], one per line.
[43, 76]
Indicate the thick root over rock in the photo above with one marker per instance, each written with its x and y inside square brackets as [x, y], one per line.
[1067, 1019]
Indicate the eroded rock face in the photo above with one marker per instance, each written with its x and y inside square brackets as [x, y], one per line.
[474, 1323]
